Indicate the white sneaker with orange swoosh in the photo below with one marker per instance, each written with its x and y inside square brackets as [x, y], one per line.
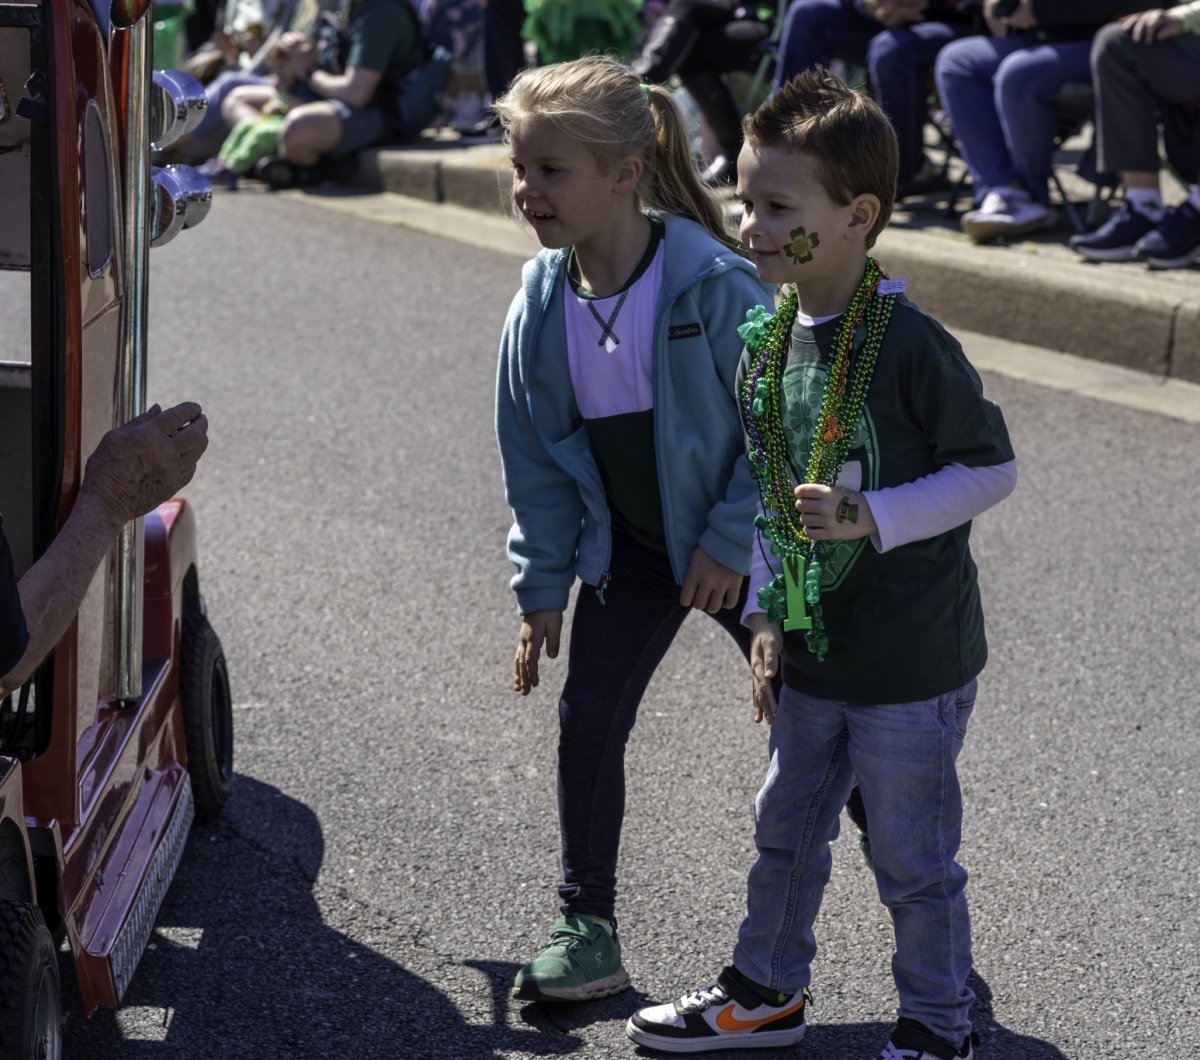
[726, 1015]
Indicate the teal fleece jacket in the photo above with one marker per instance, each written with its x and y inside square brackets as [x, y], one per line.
[561, 526]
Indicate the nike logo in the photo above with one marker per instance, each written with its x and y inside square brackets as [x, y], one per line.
[727, 1021]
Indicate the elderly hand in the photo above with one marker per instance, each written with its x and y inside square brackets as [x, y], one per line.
[146, 461]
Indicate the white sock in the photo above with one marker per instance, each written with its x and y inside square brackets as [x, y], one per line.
[1147, 201]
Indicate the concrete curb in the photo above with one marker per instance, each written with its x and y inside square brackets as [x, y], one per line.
[1034, 291]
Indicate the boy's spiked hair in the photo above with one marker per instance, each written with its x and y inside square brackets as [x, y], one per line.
[846, 132]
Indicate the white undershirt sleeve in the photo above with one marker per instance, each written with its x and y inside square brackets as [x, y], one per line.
[913, 511]
[938, 502]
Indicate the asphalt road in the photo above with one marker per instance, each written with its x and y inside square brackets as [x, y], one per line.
[388, 857]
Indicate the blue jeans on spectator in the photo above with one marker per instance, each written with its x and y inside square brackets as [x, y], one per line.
[903, 757]
[898, 62]
[999, 94]
[615, 648]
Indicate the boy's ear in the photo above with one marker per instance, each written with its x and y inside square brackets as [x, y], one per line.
[864, 212]
[627, 175]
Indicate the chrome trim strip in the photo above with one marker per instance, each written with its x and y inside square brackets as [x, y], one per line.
[130, 48]
[130, 943]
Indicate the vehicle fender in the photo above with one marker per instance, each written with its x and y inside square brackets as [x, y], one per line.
[171, 587]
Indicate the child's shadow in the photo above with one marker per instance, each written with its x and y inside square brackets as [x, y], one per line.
[997, 1042]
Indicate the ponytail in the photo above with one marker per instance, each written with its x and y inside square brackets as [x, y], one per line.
[673, 184]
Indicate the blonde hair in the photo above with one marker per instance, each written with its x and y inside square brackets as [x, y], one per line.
[601, 104]
[844, 131]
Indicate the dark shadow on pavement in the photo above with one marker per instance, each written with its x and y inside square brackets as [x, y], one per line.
[241, 964]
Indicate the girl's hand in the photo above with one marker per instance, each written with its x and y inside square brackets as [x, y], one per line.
[709, 586]
[765, 650]
[830, 513]
[537, 628]
[1146, 27]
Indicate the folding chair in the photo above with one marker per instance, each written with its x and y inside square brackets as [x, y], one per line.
[1075, 105]
[755, 89]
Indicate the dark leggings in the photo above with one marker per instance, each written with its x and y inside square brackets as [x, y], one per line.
[615, 648]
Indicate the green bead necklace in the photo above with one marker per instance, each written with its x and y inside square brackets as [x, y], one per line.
[793, 596]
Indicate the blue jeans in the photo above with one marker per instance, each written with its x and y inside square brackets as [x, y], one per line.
[615, 649]
[898, 62]
[903, 758]
[999, 94]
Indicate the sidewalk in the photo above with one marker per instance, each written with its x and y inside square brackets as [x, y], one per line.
[1034, 291]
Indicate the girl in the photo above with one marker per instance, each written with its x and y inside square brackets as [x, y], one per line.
[621, 447]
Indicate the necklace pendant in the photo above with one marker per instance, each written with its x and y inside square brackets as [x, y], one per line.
[797, 607]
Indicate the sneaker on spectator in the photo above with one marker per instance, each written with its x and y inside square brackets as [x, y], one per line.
[727, 1015]
[278, 173]
[1116, 238]
[1005, 213]
[1175, 242]
[581, 961]
[218, 174]
[911, 1040]
[486, 128]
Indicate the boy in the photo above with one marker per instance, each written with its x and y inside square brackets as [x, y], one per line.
[874, 448]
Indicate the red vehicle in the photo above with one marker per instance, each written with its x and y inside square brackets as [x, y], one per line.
[125, 733]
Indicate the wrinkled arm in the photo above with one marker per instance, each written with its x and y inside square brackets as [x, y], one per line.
[135, 468]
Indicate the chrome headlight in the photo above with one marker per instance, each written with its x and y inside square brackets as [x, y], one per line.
[177, 105]
[181, 200]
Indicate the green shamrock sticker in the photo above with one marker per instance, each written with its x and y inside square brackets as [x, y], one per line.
[800, 249]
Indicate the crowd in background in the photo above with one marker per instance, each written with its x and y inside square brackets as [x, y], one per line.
[296, 86]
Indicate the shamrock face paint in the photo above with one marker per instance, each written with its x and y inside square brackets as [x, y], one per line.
[800, 249]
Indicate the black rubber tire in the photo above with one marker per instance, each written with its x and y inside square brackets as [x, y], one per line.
[207, 716]
[30, 996]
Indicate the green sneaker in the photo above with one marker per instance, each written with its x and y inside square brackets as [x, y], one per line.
[581, 961]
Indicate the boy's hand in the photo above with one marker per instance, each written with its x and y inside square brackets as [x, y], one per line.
[709, 586]
[537, 628]
[765, 649]
[830, 513]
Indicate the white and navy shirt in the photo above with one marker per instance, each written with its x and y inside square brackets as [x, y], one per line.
[610, 352]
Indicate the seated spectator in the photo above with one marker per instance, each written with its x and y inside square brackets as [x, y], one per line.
[338, 96]
[240, 31]
[237, 53]
[254, 138]
[699, 40]
[897, 42]
[999, 92]
[457, 26]
[1146, 69]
